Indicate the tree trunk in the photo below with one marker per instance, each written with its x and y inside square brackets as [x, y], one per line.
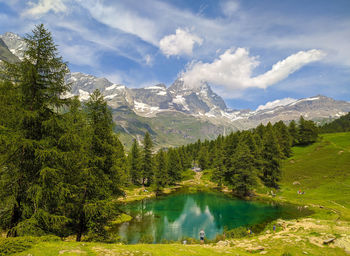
[16, 215]
[81, 227]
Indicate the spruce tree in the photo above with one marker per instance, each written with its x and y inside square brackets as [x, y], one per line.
[293, 131]
[203, 158]
[271, 155]
[174, 166]
[308, 132]
[161, 175]
[242, 175]
[33, 192]
[135, 164]
[147, 163]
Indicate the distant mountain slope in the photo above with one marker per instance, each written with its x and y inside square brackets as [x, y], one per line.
[5, 53]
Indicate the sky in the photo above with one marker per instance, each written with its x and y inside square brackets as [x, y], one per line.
[250, 51]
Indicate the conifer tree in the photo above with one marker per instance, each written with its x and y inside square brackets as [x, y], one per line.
[203, 158]
[161, 175]
[32, 199]
[135, 164]
[271, 154]
[218, 165]
[284, 138]
[242, 175]
[103, 176]
[174, 166]
[147, 163]
[293, 131]
[308, 132]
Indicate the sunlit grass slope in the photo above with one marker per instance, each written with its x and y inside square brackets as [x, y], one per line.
[322, 171]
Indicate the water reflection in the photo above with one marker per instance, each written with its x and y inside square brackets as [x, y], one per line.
[184, 215]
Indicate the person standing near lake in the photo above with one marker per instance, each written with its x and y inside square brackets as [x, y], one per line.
[201, 236]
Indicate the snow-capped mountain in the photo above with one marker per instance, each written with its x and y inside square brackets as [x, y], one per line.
[202, 102]
[181, 113]
[153, 99]
[14, 43]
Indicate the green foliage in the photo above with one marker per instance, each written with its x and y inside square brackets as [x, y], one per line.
[135, 164]
[308, 132]
[61, 164]
[342, 124]
[147, 161]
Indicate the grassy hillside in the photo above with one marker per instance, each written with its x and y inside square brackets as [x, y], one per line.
[322, 171]
[168, 129]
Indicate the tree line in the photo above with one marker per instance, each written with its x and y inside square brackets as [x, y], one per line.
[342, 124]
[62, 167]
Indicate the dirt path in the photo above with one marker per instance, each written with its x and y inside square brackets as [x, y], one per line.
[197, 177]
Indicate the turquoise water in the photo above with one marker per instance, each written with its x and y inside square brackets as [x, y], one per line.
[183, 215]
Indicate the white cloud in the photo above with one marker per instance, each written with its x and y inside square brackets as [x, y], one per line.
[180, 43]
[117, 16]
[229, 7]
[148, 60]
[233, 70]
[276, 103]
[80, 54]
[44, 6]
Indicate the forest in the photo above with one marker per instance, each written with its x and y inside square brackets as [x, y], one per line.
[62, 167]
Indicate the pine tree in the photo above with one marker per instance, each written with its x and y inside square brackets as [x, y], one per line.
[203, 158]
[174, 166]
[218, 164]
[308, 132]
[161, 175]
[32, 199]
[103, 176]
[135, 164]
[271, 155]
[293, 131]
[147, 163]
[284, 138]
[242, 175]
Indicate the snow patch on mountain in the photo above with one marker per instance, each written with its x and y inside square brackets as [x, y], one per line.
[276, 103]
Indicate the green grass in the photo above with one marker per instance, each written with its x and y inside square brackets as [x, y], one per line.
[323, 171]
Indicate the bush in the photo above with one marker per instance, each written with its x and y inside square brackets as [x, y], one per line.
[16, 244]
[146, 239]
[236, 232]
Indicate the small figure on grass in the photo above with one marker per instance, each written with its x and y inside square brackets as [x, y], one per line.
[201, 236]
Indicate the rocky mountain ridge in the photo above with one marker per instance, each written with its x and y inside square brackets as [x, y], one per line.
[182, 113]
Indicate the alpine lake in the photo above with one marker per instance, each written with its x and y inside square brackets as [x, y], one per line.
[182, 215]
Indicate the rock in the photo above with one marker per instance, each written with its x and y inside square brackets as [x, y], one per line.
[330, 240]
[223, 243]
[305, 252]
[263, 252]
[296, 183]
[255, 249]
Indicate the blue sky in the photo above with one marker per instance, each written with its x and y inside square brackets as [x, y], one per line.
[249, 51]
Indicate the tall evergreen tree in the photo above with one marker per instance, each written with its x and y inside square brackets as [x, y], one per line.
[161, 174]
[103, 177]
[174, 166]
[308, 132]
[271, 155]
[31, 197]
[284, 138]
[147, 163]
[293, 131]
[203, 158]
[135, 164]
[242, 175]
